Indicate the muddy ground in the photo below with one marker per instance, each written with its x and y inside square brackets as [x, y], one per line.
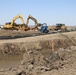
[52, 54]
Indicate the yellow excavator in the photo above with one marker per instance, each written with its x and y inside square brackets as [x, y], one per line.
[32, 18]
[38, 26]
[13, 26]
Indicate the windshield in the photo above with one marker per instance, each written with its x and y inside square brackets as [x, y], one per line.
[8, 23]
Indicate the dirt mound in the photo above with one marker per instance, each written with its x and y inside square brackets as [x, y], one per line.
[61, 61]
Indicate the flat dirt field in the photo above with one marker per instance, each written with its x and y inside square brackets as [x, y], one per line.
[51, 54]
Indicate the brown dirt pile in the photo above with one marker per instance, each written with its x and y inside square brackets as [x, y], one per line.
[61, 62]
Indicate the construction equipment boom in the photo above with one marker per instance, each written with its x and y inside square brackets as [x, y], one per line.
[12, 25]
[38, 26]
[32, 18]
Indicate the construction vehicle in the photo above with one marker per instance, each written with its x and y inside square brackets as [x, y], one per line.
[13, 26]
[58, 27]
[32, 18]
[61, 27]
[38, 26]
[43, 28]
[52, 27]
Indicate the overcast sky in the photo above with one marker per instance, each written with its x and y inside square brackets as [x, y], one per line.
[45, 11]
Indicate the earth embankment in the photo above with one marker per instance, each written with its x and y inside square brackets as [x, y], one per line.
[61, 40]
[53, 54]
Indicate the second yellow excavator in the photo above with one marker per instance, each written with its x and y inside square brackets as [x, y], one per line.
[32, 18]
[38, 26]
[13, 26]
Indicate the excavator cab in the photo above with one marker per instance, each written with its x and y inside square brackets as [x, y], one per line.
[7, 25]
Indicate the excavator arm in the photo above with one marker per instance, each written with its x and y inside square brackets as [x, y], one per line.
[15, 18]
[12, 25]
[32, 18]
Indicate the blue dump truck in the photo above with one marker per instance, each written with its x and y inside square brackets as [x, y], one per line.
[43, 28]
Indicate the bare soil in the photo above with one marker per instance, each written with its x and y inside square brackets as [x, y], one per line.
[13, 34]
[39, 58]
[60, 62]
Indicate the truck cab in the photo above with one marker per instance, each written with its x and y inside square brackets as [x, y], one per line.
[43, 28]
